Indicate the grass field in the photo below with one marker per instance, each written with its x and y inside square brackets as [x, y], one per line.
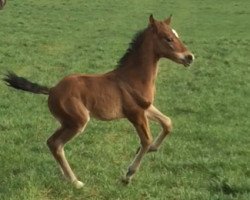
[207, 157]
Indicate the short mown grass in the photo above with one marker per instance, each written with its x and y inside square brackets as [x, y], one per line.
[206, 156]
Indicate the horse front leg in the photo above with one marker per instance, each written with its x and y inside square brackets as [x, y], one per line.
[141, 125]
[154, 114]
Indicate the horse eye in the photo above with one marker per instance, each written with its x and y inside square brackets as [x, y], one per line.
[168, 39]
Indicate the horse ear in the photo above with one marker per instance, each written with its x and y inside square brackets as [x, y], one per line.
[168, 20]
[152, 23]
[151, 20]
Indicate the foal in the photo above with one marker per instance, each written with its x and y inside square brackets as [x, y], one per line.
[126, 92]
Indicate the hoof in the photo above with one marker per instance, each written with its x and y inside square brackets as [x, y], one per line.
[126, 180]
[78, 184]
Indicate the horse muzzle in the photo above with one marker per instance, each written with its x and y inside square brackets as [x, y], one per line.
[185, 58]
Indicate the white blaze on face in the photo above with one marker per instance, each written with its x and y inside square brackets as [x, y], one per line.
[175, 33]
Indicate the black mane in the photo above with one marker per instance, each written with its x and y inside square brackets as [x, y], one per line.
[133, 46]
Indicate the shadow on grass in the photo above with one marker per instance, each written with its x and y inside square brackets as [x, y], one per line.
[222, 185]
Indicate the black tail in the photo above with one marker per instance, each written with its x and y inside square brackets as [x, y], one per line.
[21, 83]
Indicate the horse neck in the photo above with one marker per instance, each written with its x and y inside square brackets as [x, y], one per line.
[141, 64]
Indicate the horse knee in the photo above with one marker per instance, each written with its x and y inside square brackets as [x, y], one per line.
[167, 125]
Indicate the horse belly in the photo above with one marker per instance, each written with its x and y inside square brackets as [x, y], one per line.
[108, 112]
[105, 104]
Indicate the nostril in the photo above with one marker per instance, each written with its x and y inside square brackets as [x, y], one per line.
[189, 57]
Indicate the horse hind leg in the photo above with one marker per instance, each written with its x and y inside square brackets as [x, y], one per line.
[56, 145]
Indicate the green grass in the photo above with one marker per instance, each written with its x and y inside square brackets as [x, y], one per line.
[207, 155]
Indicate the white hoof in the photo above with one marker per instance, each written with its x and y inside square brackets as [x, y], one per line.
[78, 184]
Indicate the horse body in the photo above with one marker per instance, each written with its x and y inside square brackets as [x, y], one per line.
[126, 92]
[112, 95]
[99, 95]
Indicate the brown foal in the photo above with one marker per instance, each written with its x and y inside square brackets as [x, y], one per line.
[126, 92]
